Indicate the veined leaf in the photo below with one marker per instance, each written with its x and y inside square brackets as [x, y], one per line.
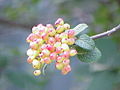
[85, 42]
[80, 28]
[90, 56]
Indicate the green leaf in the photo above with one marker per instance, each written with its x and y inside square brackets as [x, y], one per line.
[90, 56]
[80, 28]
[85, 42]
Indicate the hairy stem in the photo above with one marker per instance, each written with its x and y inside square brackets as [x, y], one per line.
[107, 33]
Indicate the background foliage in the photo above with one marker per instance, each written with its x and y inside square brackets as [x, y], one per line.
[16, 20]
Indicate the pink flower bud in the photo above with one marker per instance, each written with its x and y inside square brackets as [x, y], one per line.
[66, 69]
[44, 46]
[66, 54]
[29, 60]
[53, 56]
[51, 40]
[50, 47]
[59, 22]
[57, 37]
[49, 26]
[60, 58]
[47, 60]
[31, 37]
[66, 61]
[71, 33]
[73, 52]
[44, 36]
[59, 50]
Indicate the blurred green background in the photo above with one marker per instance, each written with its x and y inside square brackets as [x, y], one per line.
[16, 20]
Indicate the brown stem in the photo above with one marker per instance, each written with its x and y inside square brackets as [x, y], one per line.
[107, 33]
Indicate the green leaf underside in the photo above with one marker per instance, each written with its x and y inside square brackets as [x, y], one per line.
[90, 56]
[80, 28]
[85, 42]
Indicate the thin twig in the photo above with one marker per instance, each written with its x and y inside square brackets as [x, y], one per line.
[43, 69]
[107, 33]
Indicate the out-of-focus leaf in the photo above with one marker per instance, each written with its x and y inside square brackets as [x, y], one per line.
[85, 42]
[103, 81]
[21, 79]
[80, 28]
[3, 61]
[90, 56]
[35, 1]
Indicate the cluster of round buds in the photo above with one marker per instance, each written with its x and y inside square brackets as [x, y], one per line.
[51, 44]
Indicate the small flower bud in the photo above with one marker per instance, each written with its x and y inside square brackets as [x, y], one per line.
[44, 46]
[51, 40]
[66, 54]
[65, 40]
[39, 41]
[40, 26]
[36, 64]
[71, 33]
[51, 32]
[46, 52]
[73, 52]
[63, 35]
[59, 50]
[34, 45]
[37, 72]
[31, 37]
[51, 48]
[44, 36]
[29, 60]
[65, 47]
[59, 29]
[57, 44]
[59, 22]
[49, 26]
[66, 61]
[59, 66]
[57, 37]
[60, 58]
[47, 60]
[71, 41]
[66, 26]
[35, 29]
[41, 55]
[66, 69]
[30, 52]
[53, 56]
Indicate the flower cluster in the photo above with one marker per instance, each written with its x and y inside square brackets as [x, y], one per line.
[51, 44]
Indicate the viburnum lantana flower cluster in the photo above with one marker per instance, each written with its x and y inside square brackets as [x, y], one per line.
[50, 44]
